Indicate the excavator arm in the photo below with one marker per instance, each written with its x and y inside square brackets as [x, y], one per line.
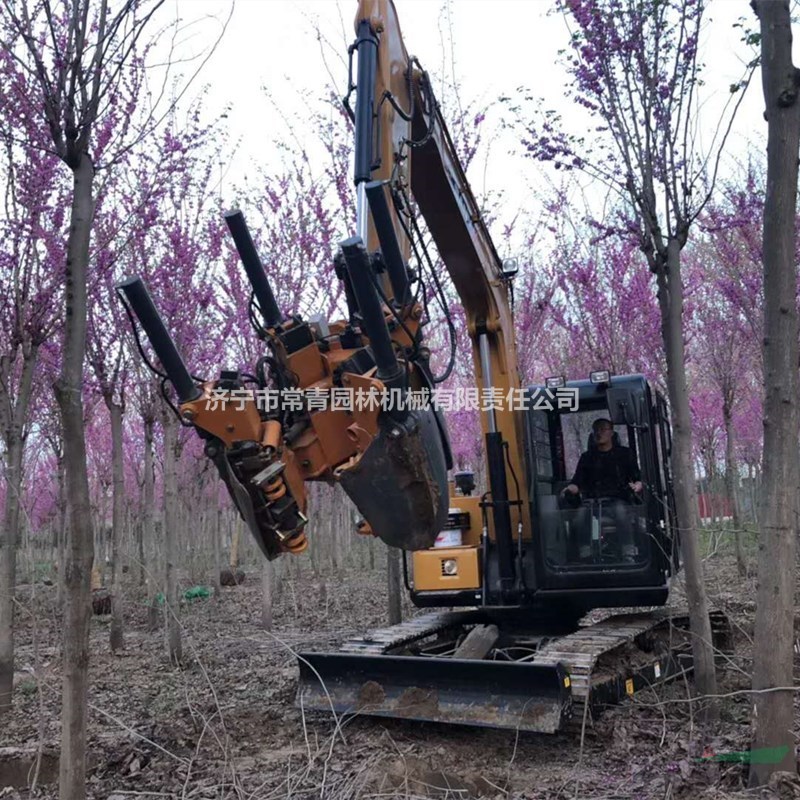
[391, 458]
[402, 144]
[349, 420]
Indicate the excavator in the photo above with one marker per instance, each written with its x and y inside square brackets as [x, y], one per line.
[512, 570]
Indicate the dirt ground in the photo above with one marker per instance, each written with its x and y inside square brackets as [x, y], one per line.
[225, 724]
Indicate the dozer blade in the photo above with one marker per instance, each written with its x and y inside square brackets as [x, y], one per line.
[493, 694]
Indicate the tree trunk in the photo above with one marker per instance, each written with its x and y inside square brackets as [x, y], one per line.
[117, 521]
[670, 294]
[234, 554]
[140, 555]
[753, 493]
[395, 581]
[13, 436]
[63, 532]
[152, 569]
[731, 473]
[756, 495]
[80, 554]
[216, 527]
[267, 581]
[170, 535]
[774, 636]
[8, 572]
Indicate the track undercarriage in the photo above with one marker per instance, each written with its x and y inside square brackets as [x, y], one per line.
[490, 668]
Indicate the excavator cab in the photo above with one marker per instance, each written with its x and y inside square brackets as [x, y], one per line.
[605, 548]
[578, 553]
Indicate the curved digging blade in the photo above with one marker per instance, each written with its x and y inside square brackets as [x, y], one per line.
[493, 694]
[400, 484]
[243, 499]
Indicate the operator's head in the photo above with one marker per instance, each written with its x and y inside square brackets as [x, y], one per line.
[603, 430]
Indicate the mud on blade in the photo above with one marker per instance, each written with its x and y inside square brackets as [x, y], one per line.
[495, 694]
[400, 483]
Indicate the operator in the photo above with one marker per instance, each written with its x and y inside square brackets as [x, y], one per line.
[607, 471]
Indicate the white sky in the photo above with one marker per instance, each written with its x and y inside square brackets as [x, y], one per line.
[498, 45]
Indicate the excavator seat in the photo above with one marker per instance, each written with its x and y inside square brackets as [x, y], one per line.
[602, 542]
[570, 527]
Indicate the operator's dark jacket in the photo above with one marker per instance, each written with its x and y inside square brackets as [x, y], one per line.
[606, 473]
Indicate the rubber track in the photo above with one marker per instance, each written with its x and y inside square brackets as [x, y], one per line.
[579, 651]
[380, 641]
